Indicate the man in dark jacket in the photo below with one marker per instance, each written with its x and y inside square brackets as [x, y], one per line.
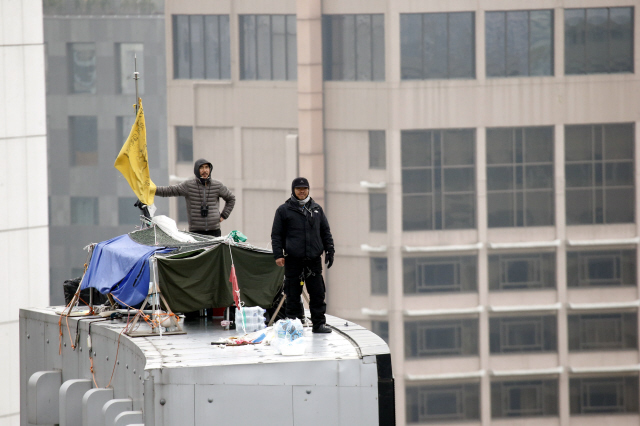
[301, 233]
[202, 195]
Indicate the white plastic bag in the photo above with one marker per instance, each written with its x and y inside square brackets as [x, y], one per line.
[289, 337]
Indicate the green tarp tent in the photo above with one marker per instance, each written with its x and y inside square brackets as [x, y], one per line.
[192, 282]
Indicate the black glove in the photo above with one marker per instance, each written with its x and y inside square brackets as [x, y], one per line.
[328, 259]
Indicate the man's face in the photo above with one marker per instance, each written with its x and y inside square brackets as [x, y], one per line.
[301, 192]
[204, 171]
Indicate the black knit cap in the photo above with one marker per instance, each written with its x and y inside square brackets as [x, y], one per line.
[299, 182]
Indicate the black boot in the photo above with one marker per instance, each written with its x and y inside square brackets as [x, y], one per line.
[321, 329]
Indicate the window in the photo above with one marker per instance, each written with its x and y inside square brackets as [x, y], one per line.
[82, 66]
[184, 143]
[381, 328]
[603, 331]
[183, 216]
[603, 395]
[123, 128]
[131, 57]
[599, 174]
[268, 47]
[127, 213]
[519, 43]
[435, 403]
[524, 398]
[601, 268]
[377, 150]
[437, 45]
[378, 212]
[522, 271]
[438, 179]
[523, 334]
[84, 140]
[353, 47]
[520, 176]
[84, 211]
[201, 47]
[440, 274]
[441, 338]
[598, 40]
[379, 275]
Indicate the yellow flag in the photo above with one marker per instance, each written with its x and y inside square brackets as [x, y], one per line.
[133, 161]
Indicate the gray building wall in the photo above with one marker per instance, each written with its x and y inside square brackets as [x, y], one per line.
[102, 180]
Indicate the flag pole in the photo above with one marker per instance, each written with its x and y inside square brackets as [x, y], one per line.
[136, 76]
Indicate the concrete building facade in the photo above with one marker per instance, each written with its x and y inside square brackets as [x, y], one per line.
[90, 97]
[477, 162]
[24, 228]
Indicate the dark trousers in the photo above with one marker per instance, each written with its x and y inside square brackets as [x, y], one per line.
[211, 232]
[309, 271]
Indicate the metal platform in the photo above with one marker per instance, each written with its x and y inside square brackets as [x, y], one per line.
[343, 378]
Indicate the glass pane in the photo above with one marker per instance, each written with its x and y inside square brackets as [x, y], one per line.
[619, 205]
[225, 48]
[411, 46]
[292, 48]
[459, 147]
[621, 39]
[184, 143]
[618, 141]
[378, 212]
[539, 209]
[500, 146]
[416, 149]
[579, 207]
[377, 24]
[459, 179]
[501, 210]
[435, 45]
[538, 144]
[377, 150]
[83, 65]
[500, 178]
[459, 211]
[263, 28]
[363, 48]
[127, 213]
[495, 44]
[578, 175]
[416, 181]
[538, 177]
[597, 41]
[248, 47]
[578, 143]
[196, 38]
[619, 174]
[181, 48]
[517, 43]
[279, 47]
[84, 140]
[212, 47]
[461, 45]
[541, 42]
[131, 57]
[348, 41]
[84, 211]
[379, 275]
[416, 213]
[574, 41]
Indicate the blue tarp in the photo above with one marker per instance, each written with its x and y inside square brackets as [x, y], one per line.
[120, 266]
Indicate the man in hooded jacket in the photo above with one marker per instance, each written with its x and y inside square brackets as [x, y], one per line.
[299, 236]
[202, 195]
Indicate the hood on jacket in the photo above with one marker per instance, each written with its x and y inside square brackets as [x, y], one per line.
[196, 168]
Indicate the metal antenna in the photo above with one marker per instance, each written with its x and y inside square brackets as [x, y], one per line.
[136, 77]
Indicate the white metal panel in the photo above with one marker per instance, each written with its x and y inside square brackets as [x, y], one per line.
[355, 406]
[310, 405]
[174, 405]
[71, 394]
[42, 397]
[264, 406]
